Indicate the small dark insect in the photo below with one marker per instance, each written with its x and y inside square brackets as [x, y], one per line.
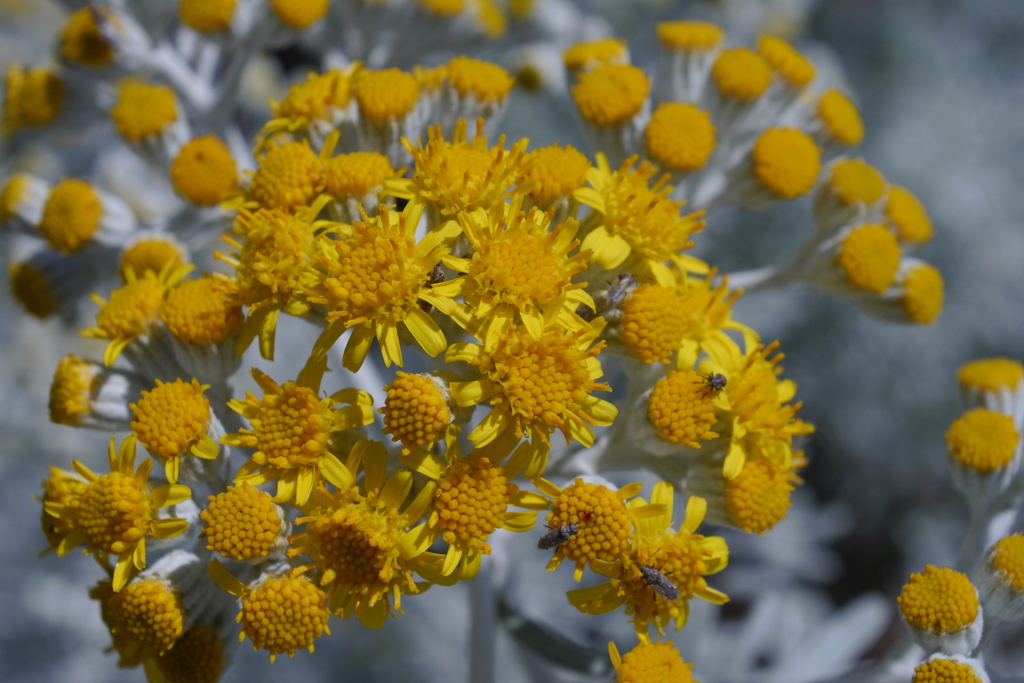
[658, 582]
[557, 536]
[620, 287]
[435, 276]
[712, 382]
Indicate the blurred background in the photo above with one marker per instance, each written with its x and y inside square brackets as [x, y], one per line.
[940, 84]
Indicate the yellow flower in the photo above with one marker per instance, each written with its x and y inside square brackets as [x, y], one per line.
[151, 252]
[145, 619]
[173, 421]
[207, 15]
[204, 171]
[31, 98]
[143, 110]
[293, 428]
[202, 312]
[418, 410]
[535, 386]
[519, 273]
[82, 41]
[243, 523]
[552, 174]
[115, 513]
[61, 488]
[587, 56]
[795, 69]
[373, 276]
[289, 175]
[707, 306]
[681, 558]
[650, 662]
[630, 219]
[314, 105]
[197, 656]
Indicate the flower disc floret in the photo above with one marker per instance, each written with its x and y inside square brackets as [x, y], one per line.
[82, 41]
[71, 215]
[300, 14]
[471, 502]
[313, 98]
[143, 109]
[133, 309]
[678, 557]
[687, 36]
[484, 81]
[611, 94]
[983, 440]
[605, 530]
[62, 488]
[653, 663]
[31, 98]
[652, 320]
[992, 374]
[288, 176]
[146, 613]
[242, 523]
[386, 95]
[150, 254]
[939, 600]
[741, 73]
[942, 670]
[171, 418]
[197, 657]
[554, 173]
[284, 614]
[416, 410]
[924, 293]
[31, 289]
[356, 175]
[70, 392]
[207, 15]
[870, 257]
[786, 161]
[204, 171]
[854, 180]
[906, 213]
[682, 409]
[796, 69]
[202, 312]
[113, 513]
[1008, 559]
[594, 53]
[680, 136]
[841, 118]
[758, 498]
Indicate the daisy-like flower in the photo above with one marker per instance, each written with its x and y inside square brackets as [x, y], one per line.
[204, 171]
[471, 496]
[133, 310]
[49, 283]
[550, 177]
[200, 655]
[520, 272]
[82, 41]
[418, 411]
[905, 214]
[850, 188]
[373, 277]
[461, 175]
[947, 668]
[295, 432]
[837, 123]
[472, 89]
[859, 261]
[150, 118]
[535, 386]
[993, 383]
[87, 394]
[32, 97]
[984, 454]
[360, 546]
[62, 488]
[782, 164]
[315, 107]
[76, 213]
[591, 54]
[634, 226]
[755, 500]
[150, 250]
[116, 512]
[22, 201]
[203, 318]
[393, 105]
[916, 295]
[682, 558]
[794, 69]
[602, 517]
[356, 183]
[245, 524]
[650, 662]
[940, 606]
[686, 52]
[614, 104]
[1000, 579]
[679, 138]
[289, 175]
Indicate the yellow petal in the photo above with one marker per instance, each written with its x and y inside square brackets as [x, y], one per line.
[421, 502]
[425, 331]
[375, 465]
[662, 275]
[646, 511]
[530, 501]
[547, 487]
[451, 559]
[225, 579]
[423, 461]
[357, 347]
[496, 422]
[629, 490]
[696, 508]
[169, 528]
[599, 599]
[114, 349]
[734, 461]
[470, 393]
[396, 489]
[415, 541]
[206, 448]
[464, 351]
[520, 521]
[335, 471]
[711, 595]
[139, 554]
[122, 571]
[304, 485]
[170, 494]
[171, 467]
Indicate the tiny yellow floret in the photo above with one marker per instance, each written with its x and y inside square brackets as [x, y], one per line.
[923, 295]
[386, 95]
[415, 411]
[555, 172]
[484, 81]
[288, 176]
[283, 615]
[983, 440]
[680, 136]
[1009, 559]
[470, 503]
[71, 215]
[941, 670]
[870, 257]
[31, 289]
[143, 109]
[786, 161]
[207, 15]
[758, 498]
[741, 73]
[939, 600]
[589, 55]
[31, 98]
[197, 657]
[201, 312]
[242, 523]
[149, 255]
[841, 118]
[204, 171]
[611, 94]
[70, 392]
[682, 409]
[908, 215]
[654, 663]
[992, 374]
[82, 41]
[171, 418]
[796, 69]
[356, 175]
[300, 14]
[688, 36]
[855, 180]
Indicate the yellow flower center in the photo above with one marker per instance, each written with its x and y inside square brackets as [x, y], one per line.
[680, 136]
[611, 94]
[204, 171]
[312, 98]
[82, 41]
[605, 530]
[945, 671]
[387, 95]
[555, 172]
[682, 408]
[284, 614]
[680, 560]
[279, 248]
[688, 36]
[856, 181]
[654, 663]
[132, 309]
[791, 65]
[201, 312]
[32, 98]
[870, 257]
[484, 81]
[415, 411]
[939, 600]
[293, 427]
[741, 73]
[786, 161]
[518, 267]
[197, 657]
[113, 513]
[149, 255]
[288, 176]
[300, 13]
[1009, 559]
[357, 547]
[171, 418]
[444, 8]
[983, 440]
[924, 294]
[30, 287]
[143, 109]
[356, 175]
[146, 613]
[992, 374]
[241, 523]
[491, 17]
[71, 389]
[471, 503]
[71, 215]
[594, 53]
[841, 118]
[61, 487]
[653, 318]
[14, 191]
[758, 498]
[207, 15]
[907, 214]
